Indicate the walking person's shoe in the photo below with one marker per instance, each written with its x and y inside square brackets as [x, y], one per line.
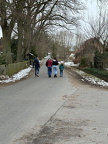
[55, 75]
[36, 75]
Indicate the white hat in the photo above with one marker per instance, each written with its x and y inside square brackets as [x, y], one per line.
[61, 61]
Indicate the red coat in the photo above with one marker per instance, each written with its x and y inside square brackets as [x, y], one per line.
[49, 63]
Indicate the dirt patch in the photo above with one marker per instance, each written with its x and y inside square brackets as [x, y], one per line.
[59, 131]
[56, 131]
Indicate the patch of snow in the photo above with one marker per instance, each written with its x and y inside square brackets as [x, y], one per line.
[21, 74]
[71, 64]
[92, 79]
[68, 63]
[88, 77]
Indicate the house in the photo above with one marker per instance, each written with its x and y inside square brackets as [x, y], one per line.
[71, 56]
[88, 49]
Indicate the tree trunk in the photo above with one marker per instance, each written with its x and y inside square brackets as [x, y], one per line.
[7, 46]
[20, 40]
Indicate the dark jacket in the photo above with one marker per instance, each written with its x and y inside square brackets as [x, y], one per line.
[55, 62]
[36, 63]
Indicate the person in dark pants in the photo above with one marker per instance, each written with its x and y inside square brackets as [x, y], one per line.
[49, 66]
[36, 65]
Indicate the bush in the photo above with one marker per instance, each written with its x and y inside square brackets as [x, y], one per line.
[98, 60]
[84, 62]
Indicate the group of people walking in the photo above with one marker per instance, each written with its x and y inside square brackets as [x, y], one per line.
[52, 65]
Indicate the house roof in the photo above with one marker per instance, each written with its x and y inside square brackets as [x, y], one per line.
[89, 43]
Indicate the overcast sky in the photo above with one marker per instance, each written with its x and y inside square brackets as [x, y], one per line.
[91, 8]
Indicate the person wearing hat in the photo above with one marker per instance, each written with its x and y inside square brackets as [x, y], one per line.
[61, 68]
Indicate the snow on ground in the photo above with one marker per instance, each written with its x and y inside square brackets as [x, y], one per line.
[92, 79]
[70, 64]
[88, 77]
[23, 73]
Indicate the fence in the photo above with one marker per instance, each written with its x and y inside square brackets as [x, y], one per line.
[11, 69]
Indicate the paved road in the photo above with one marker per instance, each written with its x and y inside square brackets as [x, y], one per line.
[27, 105]
[82, 119]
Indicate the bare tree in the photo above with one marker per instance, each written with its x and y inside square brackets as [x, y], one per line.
[32, 17]
[43, 15]
[64, 43]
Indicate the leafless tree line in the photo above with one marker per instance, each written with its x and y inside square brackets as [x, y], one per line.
[27, 19]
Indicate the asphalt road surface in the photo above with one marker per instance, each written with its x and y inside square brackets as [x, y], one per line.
[27, 105]
[62, 110]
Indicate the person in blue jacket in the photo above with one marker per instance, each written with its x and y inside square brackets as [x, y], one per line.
[36, 65]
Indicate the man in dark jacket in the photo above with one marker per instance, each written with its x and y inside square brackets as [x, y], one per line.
[36, 65]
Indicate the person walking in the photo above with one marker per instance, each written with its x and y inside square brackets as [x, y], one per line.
[55, 67]
[61, 68]
[49, 67]
[36, 65]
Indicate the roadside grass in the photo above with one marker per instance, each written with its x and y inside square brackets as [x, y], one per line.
[102, 74]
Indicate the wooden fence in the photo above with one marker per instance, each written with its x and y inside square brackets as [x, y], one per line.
[11, 69]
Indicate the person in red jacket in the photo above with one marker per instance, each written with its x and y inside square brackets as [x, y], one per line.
[49, 66]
